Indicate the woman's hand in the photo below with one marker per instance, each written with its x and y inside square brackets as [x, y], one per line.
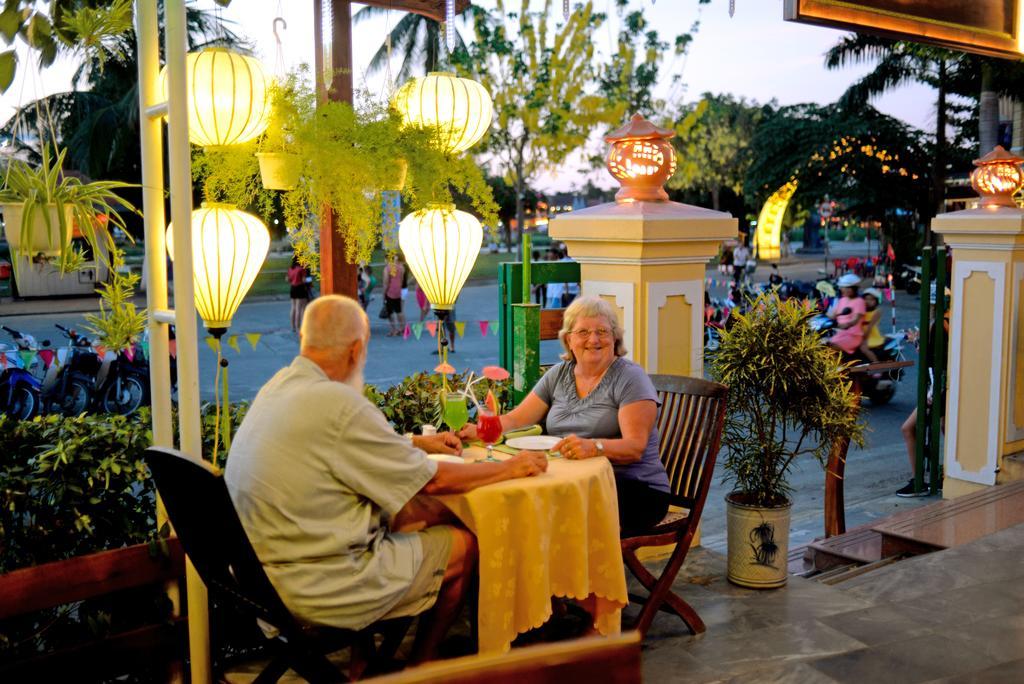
[441, 443]
[468, 432]
[576, 448]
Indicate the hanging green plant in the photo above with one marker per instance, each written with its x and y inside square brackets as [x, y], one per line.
[292, 101]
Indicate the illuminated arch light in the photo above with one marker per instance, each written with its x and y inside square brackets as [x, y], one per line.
[769, 222]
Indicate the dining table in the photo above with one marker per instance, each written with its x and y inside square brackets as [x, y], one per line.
[555, 534]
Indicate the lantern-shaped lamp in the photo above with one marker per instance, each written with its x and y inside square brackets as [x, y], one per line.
[997, 178]
[641, 159]
[440, 244]
[227, 97]
[459, 108]
[228, 249]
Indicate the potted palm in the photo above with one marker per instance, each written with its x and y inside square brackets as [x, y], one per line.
[789, 398]
[41, 205]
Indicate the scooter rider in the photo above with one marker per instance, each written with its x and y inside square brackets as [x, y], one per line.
[847, 313]
[873, 338]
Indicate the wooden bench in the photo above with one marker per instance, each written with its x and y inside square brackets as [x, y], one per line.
[36, 588]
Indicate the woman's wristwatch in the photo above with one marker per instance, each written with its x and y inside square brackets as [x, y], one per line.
[600, 447]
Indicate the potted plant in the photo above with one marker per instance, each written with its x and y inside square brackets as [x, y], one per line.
[292, 102]
[789, 398]
[41, 206]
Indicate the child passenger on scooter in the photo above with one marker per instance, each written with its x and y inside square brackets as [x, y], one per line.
[847, 313]
[872, 335]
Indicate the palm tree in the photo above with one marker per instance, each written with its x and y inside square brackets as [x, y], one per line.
[898, 63]
[415, 37]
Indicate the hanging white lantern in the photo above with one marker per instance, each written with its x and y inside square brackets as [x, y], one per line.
[227, 97]
[228, 250]
[440, 244]
[459, 108]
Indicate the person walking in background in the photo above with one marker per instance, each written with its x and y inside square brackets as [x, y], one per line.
[572, 290]
[365, 283]
[394, 273]
[740, 255]
[422, 303]
[555, 290]
[298, 279]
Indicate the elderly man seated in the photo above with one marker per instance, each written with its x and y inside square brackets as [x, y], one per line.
[328, 493]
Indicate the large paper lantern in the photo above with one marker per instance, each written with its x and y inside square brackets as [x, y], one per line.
[997, 178]
[459, 108]
[641, 159]
[228, 250]
[227, 97]
[440, 244]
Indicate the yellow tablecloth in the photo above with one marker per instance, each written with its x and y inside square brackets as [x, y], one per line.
[556, 534]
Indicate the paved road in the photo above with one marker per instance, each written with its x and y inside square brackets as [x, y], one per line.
[872, 473]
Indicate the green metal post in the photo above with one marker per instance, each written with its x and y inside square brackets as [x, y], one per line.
[938, 356]
[922, 376]
[525, 349]
[527, 260]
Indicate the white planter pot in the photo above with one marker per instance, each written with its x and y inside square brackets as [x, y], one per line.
[49, 242]
[758, 544]
[279, 170]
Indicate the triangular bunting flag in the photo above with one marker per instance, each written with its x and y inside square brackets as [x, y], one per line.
[100, 350]
[233, 343]
[494, 328]
[483, 328]
[406, 332]
[145, 349]
[253, 338]
[417, 330]
[130, 352]
[47, 356]
[213, 343]
[431, 327]
[3, 361]
[460, 328]
[27, 356]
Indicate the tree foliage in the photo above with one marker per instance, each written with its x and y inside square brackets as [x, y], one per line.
[544, 86]
[712, 141]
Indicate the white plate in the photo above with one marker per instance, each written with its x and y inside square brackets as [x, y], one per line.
[445, 458]
[534, 442]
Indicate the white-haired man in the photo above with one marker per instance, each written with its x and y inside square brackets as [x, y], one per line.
[328, 492]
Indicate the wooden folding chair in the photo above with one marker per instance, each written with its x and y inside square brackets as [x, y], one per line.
[690, 423]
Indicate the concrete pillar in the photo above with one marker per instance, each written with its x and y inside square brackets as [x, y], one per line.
[985, 404]
[648, 259]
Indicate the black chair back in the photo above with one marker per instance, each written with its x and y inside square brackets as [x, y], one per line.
[690, 423]
[203, 517]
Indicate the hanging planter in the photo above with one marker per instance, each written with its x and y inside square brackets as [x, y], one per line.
[44, 229]
[279, 170]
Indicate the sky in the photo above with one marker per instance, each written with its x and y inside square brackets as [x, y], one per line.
[754, 54]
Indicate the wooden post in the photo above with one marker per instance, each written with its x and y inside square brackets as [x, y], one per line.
[337, 275]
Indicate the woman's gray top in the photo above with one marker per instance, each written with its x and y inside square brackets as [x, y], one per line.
[596, 416]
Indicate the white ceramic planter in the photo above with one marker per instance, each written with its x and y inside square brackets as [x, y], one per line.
[49, 242]
[758, 544]
[279, 170]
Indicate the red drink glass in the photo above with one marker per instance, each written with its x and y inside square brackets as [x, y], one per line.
[488, 429]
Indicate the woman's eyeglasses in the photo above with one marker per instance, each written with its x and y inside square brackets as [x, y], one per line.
[601, 333]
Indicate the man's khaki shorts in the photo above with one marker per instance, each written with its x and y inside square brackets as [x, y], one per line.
[422, 593]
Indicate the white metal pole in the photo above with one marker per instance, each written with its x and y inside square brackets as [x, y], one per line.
[155, 270]
[184, 304]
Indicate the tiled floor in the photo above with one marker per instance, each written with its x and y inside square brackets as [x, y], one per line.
[955, 616]
[951, 616]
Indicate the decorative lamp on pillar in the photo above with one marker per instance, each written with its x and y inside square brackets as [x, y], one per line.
[997, 178]
[459, 108]
[228, 250]
[440, 244]
[227, 97]
[641, 159]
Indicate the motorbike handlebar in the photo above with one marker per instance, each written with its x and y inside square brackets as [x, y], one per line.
[11, 331]
[58, 326]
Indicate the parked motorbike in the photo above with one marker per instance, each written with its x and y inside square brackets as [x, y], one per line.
[19, 390]
[64, 388]
[120, 384]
